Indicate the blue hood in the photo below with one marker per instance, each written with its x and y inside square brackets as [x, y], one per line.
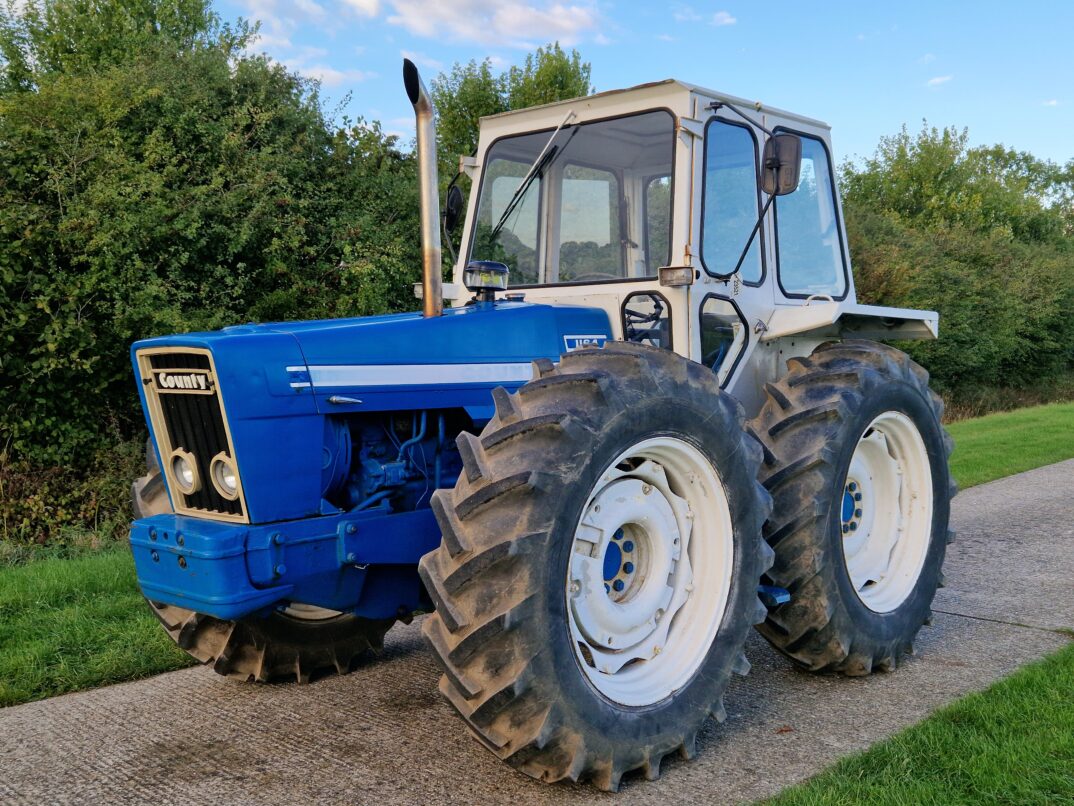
[277, 378]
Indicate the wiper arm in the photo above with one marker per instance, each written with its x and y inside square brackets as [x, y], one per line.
[543, 160]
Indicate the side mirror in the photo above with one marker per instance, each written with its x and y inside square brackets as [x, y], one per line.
[454, 204]
[782, 164]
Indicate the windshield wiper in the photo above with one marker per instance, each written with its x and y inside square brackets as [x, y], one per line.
[544, 159]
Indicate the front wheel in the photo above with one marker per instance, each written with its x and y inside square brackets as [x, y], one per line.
[299, 642]
[856, 461]
[598, 572]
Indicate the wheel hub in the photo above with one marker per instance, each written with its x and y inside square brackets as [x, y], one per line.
[630, 522]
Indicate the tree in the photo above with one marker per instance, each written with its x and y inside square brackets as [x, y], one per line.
[982, 235]
[550, 74]
[468, 92]
[155, 179]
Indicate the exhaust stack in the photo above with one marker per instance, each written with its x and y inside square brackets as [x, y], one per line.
[431, 278]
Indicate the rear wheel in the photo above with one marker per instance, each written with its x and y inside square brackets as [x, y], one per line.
[856, 461]
[599, 565]
[299, 642]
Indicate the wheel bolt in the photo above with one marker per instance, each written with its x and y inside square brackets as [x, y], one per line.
[857, 513]
[628, 568]
[618, 585]
[846, 528]
[607, 588]
[853, 527]
[852, 486]
[628, 546]
[618, 534]
[857, 496]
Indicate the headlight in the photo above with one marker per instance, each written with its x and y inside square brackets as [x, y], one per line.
[185, 471]
[225, 476]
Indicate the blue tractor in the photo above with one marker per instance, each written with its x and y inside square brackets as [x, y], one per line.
[676, 424]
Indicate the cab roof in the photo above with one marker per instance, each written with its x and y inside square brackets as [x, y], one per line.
[676, 93]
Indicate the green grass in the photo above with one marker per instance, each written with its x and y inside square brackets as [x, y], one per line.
[998, 445]
[1012, 744]
[77, 623]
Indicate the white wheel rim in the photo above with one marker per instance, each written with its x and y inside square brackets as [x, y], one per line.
[650, 571]
[886, 512]
[307, 612]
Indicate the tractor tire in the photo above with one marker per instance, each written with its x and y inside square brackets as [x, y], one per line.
[299, 643]
[524, 602]
[856, 462]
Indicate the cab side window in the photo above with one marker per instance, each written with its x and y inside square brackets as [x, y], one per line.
[809, 247]
[731, 201]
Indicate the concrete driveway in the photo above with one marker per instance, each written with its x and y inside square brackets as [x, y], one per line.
[383, 735]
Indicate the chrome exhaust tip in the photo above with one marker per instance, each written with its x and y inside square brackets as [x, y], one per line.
[428, 183]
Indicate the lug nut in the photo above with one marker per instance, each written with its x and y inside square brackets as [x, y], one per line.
[852, 486]
[618, 585]
[857, 496]
[628, 546]
[846, 528]
[857, 513]
[853, 527]
[628, 568]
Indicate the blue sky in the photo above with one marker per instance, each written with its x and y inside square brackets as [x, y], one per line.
[1002, 69]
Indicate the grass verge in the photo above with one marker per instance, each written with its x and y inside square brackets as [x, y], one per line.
[1012, 743]
[68, 624]
[998, 445]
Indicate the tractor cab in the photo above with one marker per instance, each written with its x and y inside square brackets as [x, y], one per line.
[699, 222]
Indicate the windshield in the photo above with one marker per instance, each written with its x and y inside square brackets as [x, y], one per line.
[598, 208]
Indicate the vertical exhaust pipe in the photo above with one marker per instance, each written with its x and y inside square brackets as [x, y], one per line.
[431, 279]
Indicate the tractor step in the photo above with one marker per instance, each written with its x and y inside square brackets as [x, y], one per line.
[771, 596]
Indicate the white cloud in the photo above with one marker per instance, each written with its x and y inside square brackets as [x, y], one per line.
[928, 58]
[310, 8]
[1052, 102]
[601, 39]
[937, 81]
[267, 41]
[367, 8]
[504, 22]
[422, 60]
[723, 18]
[329, 76]
[685, 14]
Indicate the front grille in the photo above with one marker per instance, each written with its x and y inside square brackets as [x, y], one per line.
[187, 414]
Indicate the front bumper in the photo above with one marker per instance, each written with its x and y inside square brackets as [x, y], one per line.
[364, 563]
